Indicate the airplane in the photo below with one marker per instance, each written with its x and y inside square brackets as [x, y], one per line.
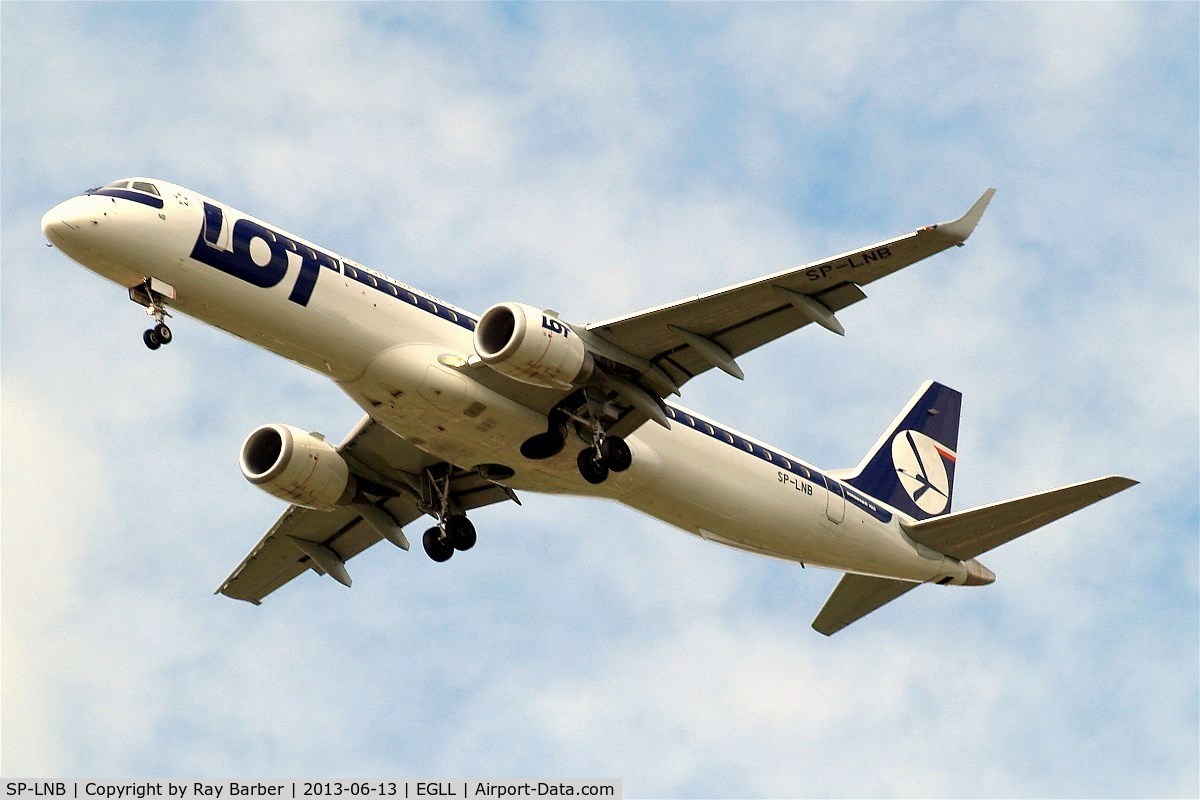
[465, 411]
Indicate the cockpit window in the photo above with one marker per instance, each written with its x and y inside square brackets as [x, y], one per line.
[142, 186]
[118, 185]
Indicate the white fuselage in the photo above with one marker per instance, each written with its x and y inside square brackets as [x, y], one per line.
[381, 340]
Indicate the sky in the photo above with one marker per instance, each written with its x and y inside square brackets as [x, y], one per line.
[599, 159]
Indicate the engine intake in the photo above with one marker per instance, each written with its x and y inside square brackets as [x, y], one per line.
[296, 466]
[532, 346]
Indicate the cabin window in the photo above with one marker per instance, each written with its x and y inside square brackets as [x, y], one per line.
[351, 272]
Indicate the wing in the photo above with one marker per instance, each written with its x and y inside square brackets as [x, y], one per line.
[303, 538]
[665, 347]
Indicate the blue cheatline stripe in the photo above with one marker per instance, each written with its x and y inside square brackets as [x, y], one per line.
[393, 290]
[126, 194]
[737, 442]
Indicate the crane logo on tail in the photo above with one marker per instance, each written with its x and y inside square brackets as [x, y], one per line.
[921, 467]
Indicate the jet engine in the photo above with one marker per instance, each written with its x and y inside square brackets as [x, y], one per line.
[297, 466]
[532, 346]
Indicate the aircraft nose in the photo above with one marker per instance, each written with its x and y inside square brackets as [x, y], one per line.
[64, 223]
[54, 227]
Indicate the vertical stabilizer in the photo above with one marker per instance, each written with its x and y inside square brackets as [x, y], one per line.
[911, 467]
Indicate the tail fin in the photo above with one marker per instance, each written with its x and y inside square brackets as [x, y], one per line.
[911, 467]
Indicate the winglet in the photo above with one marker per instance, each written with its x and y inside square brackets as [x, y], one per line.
[961, 228]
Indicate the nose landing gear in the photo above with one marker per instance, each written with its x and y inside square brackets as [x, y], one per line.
[149, 295]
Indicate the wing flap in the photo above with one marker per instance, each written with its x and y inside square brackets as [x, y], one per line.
[854, 597]
[275, 560]
[967, 534]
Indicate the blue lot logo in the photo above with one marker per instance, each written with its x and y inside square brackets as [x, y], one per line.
[243, 261]
[921, 470]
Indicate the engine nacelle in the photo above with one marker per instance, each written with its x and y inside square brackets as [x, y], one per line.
[298, 467]
[531, 346]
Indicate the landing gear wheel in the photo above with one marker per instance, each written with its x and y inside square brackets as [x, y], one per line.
[591, 466]
[151, 339]
[164, 333]
[615, 453]
[437, 545]
[460, 533]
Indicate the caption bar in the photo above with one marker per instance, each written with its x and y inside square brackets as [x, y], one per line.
[459, 789]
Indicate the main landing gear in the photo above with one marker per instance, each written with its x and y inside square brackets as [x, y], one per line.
[611, 454]
[456, 533]
[607, 453]
[453, 531]
[158, 335]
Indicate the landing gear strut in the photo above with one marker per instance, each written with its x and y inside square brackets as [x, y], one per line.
[607, 453]
[159, 334]
[453, 531]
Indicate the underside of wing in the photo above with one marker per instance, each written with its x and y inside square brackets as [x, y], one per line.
[403, 481]
[278, 558]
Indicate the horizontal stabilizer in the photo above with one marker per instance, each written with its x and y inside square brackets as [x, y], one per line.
[970, 533]
[964, 536]
[856, 596]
